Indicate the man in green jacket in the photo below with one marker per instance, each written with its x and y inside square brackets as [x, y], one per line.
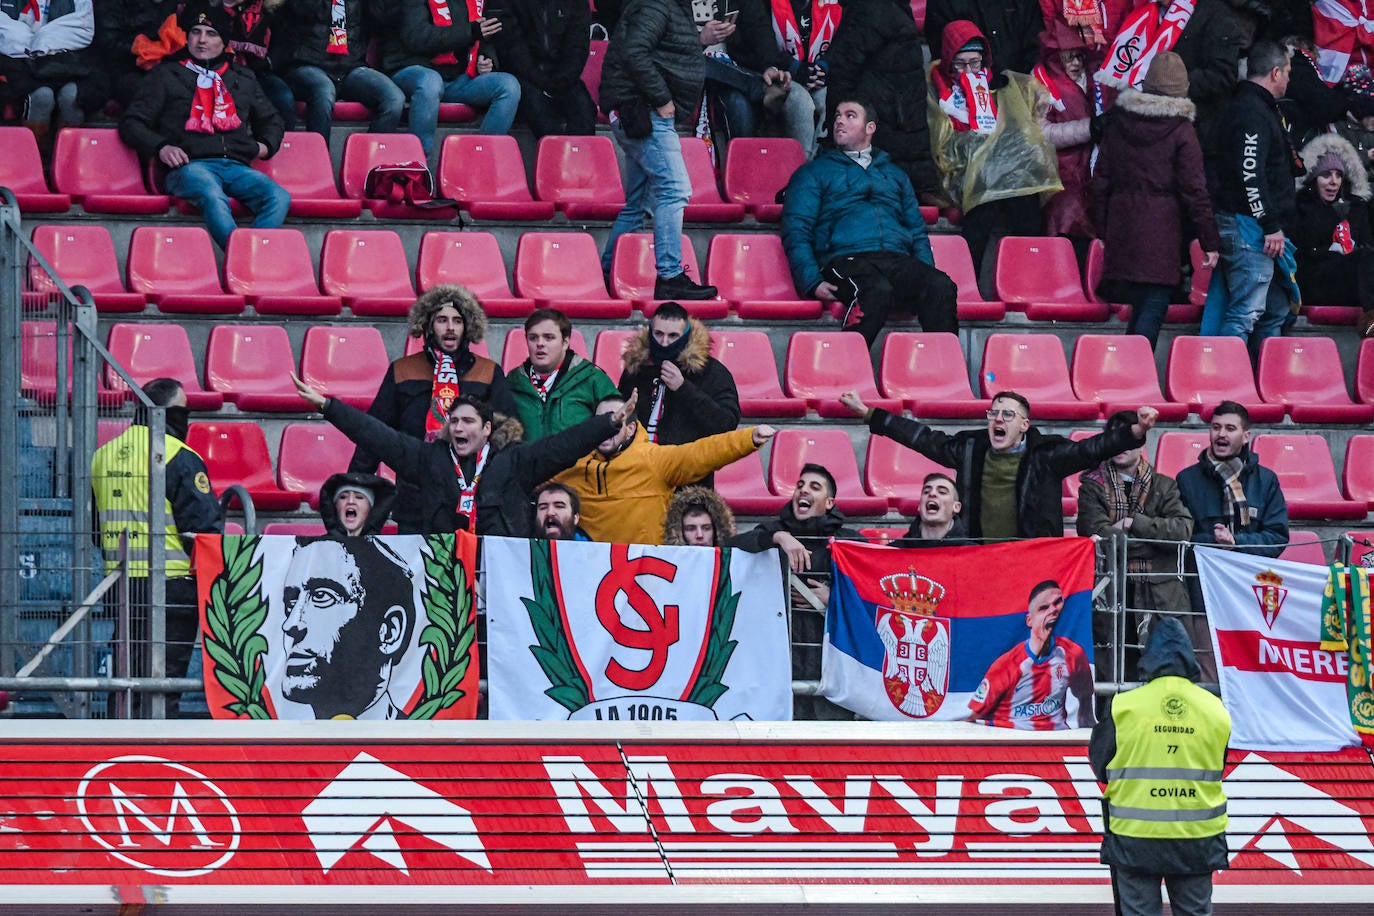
[554, 388]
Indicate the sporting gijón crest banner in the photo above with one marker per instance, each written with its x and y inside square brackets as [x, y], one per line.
[581, 630]
[338, 628]
[1000, 634]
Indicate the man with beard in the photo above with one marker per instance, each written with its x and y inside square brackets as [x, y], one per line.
[354, 505]
[558, 514]
[937, 522]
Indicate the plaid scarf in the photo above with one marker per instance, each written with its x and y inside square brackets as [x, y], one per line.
[212, 107]
[1233, 502]
[1128, 497]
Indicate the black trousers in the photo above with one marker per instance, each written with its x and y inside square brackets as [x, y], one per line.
[183, 632]
[884, 282]
[571, 112]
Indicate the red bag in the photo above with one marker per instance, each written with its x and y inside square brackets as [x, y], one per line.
[404, 182]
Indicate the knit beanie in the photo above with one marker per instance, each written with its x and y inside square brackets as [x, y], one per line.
[201, 13]
[364, 492]
[1167, 76]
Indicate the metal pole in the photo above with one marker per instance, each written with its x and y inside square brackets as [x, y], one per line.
[157, 554]
[12, 267]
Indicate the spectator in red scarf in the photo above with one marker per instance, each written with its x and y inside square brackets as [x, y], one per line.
[1066, 70]
[250, 37]
[1096, 21]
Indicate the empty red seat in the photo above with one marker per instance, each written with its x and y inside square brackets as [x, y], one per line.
[302, 166]
[367, 268]
[580, 176]
[1118, 372]
[744, 488]
[365, 151]
[705, 205]
[1033, 366]
[609, 351]
[1039, 276]
[1307, 475]
[883, 537]
[272, 268]
[309, 453]
[896, 473]
[1358, 474]
[38, 367]
[486, 175]
[236, 453]
[1177, 313]
[756, 169]
[101, 173]
[822, 365]
[1364, 373]
[168, 265]
[830, 448]
[749, 357]
[1203, 371]
[21, 170]
[928, 372]
[1177, 450]
[516, 349]
[1304, 374]
[148, 351]
[562, 270]
[250, 364]
[633, 275]
[81, 255]
[751, 271]
[473, 260]
[1304, 547]
[295, 529]
[952, 256]
[345, 362]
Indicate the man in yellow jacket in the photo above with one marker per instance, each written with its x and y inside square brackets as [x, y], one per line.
[626, 484]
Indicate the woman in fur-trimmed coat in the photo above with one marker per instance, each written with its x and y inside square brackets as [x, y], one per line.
[1333, 235]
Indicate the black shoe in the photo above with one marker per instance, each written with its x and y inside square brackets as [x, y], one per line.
[682, 287]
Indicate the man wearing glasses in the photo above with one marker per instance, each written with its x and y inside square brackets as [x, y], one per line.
[1010, 476]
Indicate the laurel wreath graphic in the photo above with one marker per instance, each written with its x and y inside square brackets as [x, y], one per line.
[450, 631]
[234, 614]
[710, 685]
[553, 653]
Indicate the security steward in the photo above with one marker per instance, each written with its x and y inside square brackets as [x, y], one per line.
[1161, 751]
[119, 481]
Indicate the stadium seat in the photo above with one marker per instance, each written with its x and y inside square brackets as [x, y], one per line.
[896, 473]
[928, 372]
[744, 488]
[81, 255]
[101, 173]
[21, 170]
[471, 259]
[1068, 496]
[1039, 276]
[580, 176]
[952, 256]
[367, 269]
[705, 205]
[1364, 373]
[1177, 313]
[365, 151]
[296, 529]
[609, 350]
[38, 367]
[1118, 372]
[822, 365]
[751, 271]
[415, 345]
[831, 448]
[302, 166]
[633, 274]
[309, 453]
[105, 430]
[1177, 450]
[749, 357]
[562, 270]
[148, 351]
[168, 265]
[1304, 547]
[1358, 474]
[756, 169]
[236, 453]
[591, 73]
[249, 365]
[1307, 476]
[273, 269]
[345, 362]
[918, 12]
[1304, 374]
[486, 175]
[1033, 365]
[516, 349]
[1203, 371]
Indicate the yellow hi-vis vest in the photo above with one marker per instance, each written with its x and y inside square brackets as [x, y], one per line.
[119, 477]
[1165, 781]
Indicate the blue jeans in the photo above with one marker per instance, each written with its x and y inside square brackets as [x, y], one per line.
[362, 84]
[498, 93]
[1256, 305]
[656, 184]
[1149, 305]
[210, 183]
[281, 97]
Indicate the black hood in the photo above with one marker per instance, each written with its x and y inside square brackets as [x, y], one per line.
[1168, 651]
[383, 491]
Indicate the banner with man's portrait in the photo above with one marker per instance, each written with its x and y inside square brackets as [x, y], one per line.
[338, 628]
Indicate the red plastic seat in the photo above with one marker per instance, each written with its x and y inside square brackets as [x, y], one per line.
[609, 350]
[1304, 374]
[273, 270]
[457, 113]
[302, 166]
[486, 175]
[81, 255]
[883, 537]
[756, 169]
[38, 367]
[749, 357]
[751, 271]
[1304, 547]
[105, 430]
[367, 268]
[1039, 276]
[928, 372]
[1307, 476]
[1364, 373]
[473, 260]
[633, 274]
[1177, 313]
[952, 256]
[21, 170]
[591, 72]
[1358, 475]
[580, 176]
[168, 265]
[516, 349]
[1203, 371]
[249, 365]
[705, 205]
[896, 473]
[1033, 366]
[744, 488]
[365, 151]
[296, 529]
[236, 453]
[822, 365]
[148, 351]
[562, 270]
[94, 166]
[345, 362]
[1068, 496]
[1118, 372]
[830, 448]
[1177, 450]
[309, 453]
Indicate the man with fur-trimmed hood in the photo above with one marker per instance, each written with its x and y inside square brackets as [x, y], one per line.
[698, 517]
[418, 389]
[355, 505]
[1333, 233]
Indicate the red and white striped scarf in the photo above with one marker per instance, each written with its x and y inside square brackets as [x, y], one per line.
[1090, 16]
[967, 100]
[212, 107]
[338, 27]
[1344, 35]
[443, 391]
[467, 499]
[825, 18]
[1142, 37]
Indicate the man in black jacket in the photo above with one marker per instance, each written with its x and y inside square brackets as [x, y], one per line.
[544, 44]
[937, 522]
[206, 119]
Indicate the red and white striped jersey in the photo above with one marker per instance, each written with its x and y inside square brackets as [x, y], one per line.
[1030, 692]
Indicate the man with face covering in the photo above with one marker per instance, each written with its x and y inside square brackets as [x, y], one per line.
[355, 505]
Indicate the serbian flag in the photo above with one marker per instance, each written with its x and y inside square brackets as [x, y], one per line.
[1001, 633]
[1283, 690]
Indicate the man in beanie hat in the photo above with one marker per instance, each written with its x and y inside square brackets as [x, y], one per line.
[355, 505]
[206, 120]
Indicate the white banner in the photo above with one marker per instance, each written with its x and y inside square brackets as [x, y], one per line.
[1284, 692]
[582, 630]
